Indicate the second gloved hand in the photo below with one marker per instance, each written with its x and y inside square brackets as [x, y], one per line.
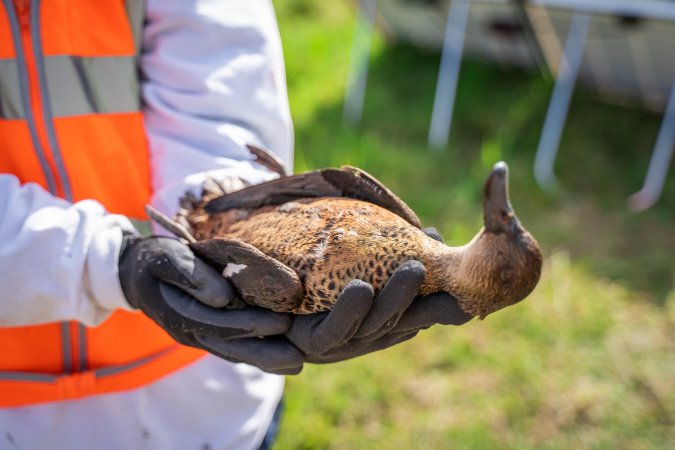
[361, 323]
[187, 298]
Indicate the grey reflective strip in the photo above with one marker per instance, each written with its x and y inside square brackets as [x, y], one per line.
[99, 373]
[114, 370]
[66, 347]
[79, 85]
[25, 94]
[10, 90]
[136, 15]
[82, 348]
[27, 376]
[46, 107]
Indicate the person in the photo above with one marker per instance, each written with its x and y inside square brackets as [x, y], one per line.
[111, 339]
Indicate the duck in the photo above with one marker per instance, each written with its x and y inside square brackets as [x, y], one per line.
[292, 244]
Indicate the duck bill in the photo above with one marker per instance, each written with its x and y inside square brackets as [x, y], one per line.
[498, 215]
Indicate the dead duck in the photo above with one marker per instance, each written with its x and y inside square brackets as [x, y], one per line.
[317, 231]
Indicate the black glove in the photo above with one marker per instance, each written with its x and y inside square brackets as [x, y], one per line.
[360, 324]
[186, 297]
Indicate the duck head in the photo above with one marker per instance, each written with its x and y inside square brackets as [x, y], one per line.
[502, 264]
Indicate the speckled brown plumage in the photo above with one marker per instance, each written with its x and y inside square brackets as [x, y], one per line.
[329, 240]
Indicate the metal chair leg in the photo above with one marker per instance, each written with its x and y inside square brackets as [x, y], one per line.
[448, 74]
[560, 100]
[658, 165]
[360, 57]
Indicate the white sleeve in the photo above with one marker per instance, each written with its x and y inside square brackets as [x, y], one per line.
[58, 260]
[213, 81]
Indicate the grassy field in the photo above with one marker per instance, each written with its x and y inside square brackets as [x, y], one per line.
[588, 360]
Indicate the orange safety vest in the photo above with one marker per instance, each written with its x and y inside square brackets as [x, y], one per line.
[70, 120]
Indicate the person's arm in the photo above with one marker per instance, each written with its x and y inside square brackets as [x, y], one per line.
[213, 82]
[58, 261]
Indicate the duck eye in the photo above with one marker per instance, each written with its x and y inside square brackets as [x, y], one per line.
[504, 216]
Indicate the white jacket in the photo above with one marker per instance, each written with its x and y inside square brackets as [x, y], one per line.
[213, 82]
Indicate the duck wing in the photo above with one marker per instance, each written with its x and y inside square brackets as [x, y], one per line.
[359, 184]
[347, 181]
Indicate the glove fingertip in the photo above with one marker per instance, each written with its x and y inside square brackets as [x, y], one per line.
[358, 287]
[440, 308]
[318, 334]
[410, 271]
[218, 294]
[262, 322]
[291, 371]
[356, 299]
[272, 356]
[279, 324]
[433, 234]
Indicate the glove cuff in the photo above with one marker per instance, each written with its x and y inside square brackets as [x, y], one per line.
[128, 241]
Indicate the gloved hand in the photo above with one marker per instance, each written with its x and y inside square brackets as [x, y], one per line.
[360, 324]
[186, 297]
[164, 279]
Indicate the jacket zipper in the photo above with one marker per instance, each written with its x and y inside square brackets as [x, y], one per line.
[14, 11]
[25, 29]
[23, 12]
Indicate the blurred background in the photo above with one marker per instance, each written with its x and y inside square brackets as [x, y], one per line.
[588, 360]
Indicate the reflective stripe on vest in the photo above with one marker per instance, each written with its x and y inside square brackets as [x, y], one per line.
[76, 86]
[11, 106]
[70, 121]
[22, 388]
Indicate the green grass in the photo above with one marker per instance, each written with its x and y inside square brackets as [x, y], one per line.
[588, 361]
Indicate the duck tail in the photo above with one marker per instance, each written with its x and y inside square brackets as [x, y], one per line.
[191, 210]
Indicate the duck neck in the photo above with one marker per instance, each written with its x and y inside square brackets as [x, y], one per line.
[443, 268]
